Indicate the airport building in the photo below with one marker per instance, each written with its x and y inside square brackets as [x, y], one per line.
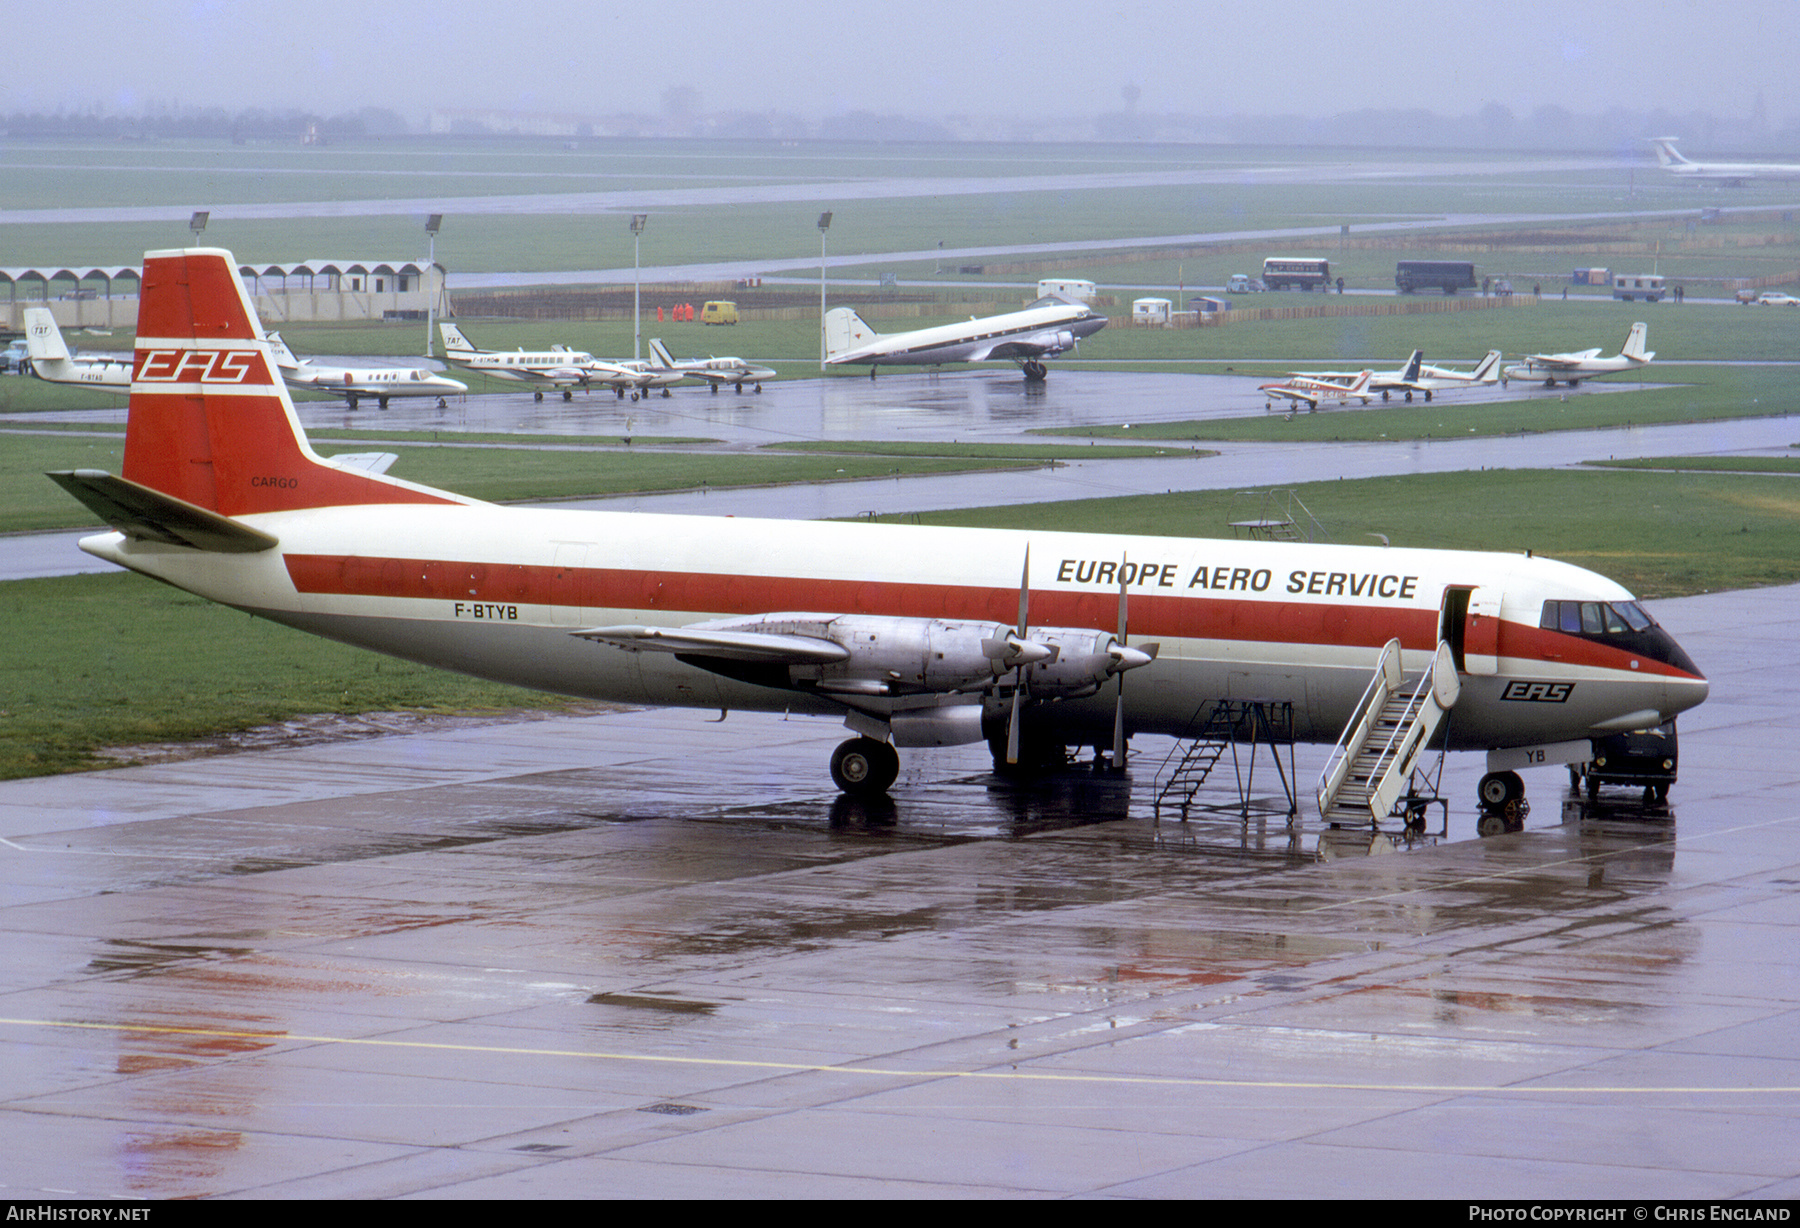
[303, 291]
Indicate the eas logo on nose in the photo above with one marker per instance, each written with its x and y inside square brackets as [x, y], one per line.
[1538, 692]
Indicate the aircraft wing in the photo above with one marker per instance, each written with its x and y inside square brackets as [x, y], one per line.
[1563, 360]
[759, 646]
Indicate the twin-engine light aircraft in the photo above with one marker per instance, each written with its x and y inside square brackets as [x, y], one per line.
[355, 383]
[1571, 369]
[1445, 379]
[715, 371]
[912, 635]
[559, 367]
[51, 361]
[1053, 325]
[1315, 388]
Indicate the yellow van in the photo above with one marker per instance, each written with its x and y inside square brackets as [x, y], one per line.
[719, 313]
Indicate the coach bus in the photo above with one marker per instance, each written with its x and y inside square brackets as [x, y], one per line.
[1290, 273]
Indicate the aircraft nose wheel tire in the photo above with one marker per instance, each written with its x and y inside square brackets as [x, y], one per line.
[1498, 788]
[863, 767]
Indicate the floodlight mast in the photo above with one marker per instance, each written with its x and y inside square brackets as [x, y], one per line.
[824, 225]
[637, 280]
[433, 223]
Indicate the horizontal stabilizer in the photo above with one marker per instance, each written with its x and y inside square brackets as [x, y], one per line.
[367, 462]
[138, 511]
[723, 645]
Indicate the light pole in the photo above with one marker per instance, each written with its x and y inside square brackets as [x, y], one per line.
[197, 224]
[824, 225]
[433, 223]
[637, 229]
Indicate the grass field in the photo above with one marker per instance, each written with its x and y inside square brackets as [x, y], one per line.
[96, 661]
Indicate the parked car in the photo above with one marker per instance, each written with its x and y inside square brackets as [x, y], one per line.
[719, 313]
[1243, 283]
[14, 358]
[1773, 298]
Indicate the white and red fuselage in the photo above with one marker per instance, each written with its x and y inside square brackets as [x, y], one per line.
[883, 624]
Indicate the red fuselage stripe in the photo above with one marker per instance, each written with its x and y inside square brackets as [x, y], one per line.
[724, 595]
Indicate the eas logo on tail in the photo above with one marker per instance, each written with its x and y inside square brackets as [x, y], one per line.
[197, 366]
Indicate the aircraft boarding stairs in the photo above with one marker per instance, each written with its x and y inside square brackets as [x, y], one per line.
[1240, 726]
[1371, 769]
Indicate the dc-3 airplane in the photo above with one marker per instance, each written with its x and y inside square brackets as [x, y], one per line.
[560, 367]
[912, 635]
[716, 371]
[1571, 369]
[1053, 325]
[51, 361]
[1732, 174]
[355, 383]
[1315, 388]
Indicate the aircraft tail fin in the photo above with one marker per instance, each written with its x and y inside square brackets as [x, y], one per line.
[284, 357]
[1666, 153]
[845, 331]
[43, 340]
[454, 341]
[1489, 370]
[660, 356]
[1411, 371]
[1634, 343]
[210, 425]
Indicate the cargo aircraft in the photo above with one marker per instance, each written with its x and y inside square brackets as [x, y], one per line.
[1732, 174]
[1571, 369]
[716, 371]
[52, 362]
[912, 635]
[355, 383]
[1315, 388]
[558, 366]
[1053, 325]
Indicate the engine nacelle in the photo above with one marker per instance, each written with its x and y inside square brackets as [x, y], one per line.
[1082, 659]
[897, 656]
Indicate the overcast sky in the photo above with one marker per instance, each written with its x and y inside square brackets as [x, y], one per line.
[923, 58]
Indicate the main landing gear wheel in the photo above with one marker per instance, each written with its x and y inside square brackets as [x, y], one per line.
[537, 396]
[443, 404]
[667, 393]
[863, 767]
[1034, 372]
[381, 402]
[568, 395]
[1498, 788]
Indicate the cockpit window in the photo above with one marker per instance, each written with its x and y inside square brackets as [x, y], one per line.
[1595, 617]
